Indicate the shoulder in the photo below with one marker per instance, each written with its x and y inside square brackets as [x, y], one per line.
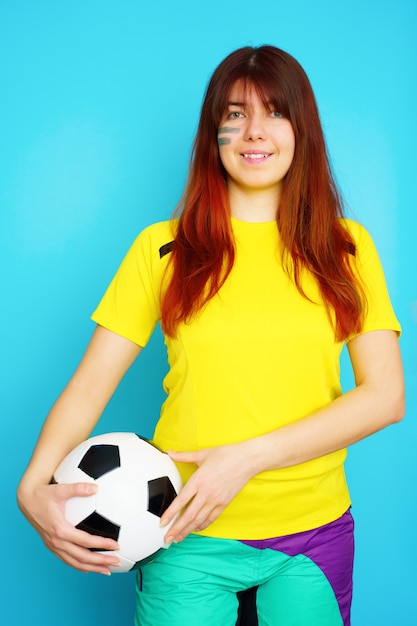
[159, 231]
[358, 232]
[156, 239]
[356, 229]
[367, 259]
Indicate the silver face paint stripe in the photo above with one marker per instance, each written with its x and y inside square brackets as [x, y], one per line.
[223, 141]
[228, 129]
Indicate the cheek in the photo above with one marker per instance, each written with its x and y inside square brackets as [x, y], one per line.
[223, 157]
[289, 137]
[284, 135]
[226, 153]
[292, 150]
[288, 141]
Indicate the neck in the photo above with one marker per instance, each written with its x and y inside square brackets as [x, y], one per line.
[253, 205]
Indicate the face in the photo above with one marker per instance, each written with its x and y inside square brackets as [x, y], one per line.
[256, 144]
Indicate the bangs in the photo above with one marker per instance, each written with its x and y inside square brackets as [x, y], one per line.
[271, 86]
[277, 78]
[270, 92]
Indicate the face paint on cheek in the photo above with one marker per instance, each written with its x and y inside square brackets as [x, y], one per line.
[223, 141]
[228, 129]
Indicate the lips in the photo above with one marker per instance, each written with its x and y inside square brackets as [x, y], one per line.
[256, 156]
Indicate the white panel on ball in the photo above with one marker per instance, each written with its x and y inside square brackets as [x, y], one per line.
[136, 483]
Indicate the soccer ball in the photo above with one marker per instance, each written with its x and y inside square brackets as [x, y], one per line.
[137, 482]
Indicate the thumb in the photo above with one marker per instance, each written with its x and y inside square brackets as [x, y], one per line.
[184, 457]
[73, 490]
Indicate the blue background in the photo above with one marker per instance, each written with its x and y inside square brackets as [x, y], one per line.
[99, 104]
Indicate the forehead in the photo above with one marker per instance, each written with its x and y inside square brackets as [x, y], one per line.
[242, 92]
[247, 94]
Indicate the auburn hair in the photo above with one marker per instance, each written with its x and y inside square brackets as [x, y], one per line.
[309, 211]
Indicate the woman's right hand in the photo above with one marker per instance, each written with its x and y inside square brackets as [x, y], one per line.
[70, 421]
[44, 507]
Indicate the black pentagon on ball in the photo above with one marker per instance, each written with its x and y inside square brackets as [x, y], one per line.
[100, 459]
[96, 524]
[161, 493]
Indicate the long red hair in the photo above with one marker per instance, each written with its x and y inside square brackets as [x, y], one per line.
[309, 209]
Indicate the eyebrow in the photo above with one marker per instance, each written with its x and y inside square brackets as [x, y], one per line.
[243, 104]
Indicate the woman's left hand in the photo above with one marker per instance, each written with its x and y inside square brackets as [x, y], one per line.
[222, 472]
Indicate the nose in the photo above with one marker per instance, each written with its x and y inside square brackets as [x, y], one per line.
[255, 128]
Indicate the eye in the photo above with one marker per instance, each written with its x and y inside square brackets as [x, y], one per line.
[276, 114]
[234, 115]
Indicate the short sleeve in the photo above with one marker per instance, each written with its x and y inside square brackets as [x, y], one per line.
[130, 306]
[379, 311]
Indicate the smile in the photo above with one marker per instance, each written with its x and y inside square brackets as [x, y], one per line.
[255, 156]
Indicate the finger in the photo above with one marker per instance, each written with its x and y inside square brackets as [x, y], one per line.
[87, 561]
[74, 490]
[93, 542]
[196, 517]
[62, 531]
[210, 518]
[185, 457]
[86, 558]
[185, 496]
[178, 530]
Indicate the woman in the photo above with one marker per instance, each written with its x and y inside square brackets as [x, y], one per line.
[257, 284]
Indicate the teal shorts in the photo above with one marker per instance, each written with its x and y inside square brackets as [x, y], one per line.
[196, 582]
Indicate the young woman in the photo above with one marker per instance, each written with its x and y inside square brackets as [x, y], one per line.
[257, 284]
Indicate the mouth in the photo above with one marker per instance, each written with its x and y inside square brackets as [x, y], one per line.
[255, 157]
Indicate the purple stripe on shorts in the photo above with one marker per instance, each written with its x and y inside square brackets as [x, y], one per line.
[330, 547]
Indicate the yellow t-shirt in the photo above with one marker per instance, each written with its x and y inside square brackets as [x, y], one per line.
[257, 357]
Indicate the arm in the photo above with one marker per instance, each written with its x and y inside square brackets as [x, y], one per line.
[375, 402]
[70, 421]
